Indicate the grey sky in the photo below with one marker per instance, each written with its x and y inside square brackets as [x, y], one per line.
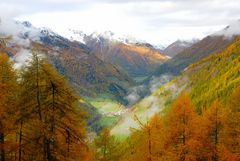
[156, 21]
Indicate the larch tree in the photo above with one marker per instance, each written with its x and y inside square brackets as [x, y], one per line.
[157, 136]
[8, 110]
[231, 132]
[31, 120]
[106, 147]
[66, 121]
[148, 141]
[54, 125]
[212, 131]
[181, 124]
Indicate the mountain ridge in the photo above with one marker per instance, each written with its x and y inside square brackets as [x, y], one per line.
[178, 46]
[72, 59]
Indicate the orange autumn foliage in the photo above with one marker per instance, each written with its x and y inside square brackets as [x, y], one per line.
[8, 108]
[181, 124]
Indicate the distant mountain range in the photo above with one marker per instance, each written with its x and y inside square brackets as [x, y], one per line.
[137, 58]
[211, 44]
[95, 65]
[88, 74]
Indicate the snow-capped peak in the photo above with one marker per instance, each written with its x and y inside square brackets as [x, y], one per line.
[107, 35]
[230, 30]
[76, 35]
[21, 32]
[159, 47]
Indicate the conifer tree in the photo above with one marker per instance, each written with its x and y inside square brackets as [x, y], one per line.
[147, 143]
[212, 131]
[180, 130]
[53, 123]
[106, 147]
[231, 131]
[8, 98]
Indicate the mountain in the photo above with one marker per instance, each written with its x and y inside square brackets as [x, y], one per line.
[89, 75]
[177, 47]
[203, 48]
[211, 44]
[214, 77]
[137, 58]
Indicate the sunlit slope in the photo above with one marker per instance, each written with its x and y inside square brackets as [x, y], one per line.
[214, 77]
[150, 105]
[134, 59]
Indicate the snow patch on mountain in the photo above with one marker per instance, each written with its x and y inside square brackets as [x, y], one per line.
[22, 34]
[159, 47]
[77, 35]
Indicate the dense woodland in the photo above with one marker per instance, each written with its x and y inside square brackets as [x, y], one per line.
[41, 120]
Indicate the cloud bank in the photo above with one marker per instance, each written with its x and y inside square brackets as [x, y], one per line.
[157, 21]
[138, 92]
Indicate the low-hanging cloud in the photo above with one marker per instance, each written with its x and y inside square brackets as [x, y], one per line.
[136, 93]
[157, 82]
[21, 58]
[21, 34]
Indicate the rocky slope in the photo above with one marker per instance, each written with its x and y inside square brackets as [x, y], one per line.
[89, 75]
[134, 57]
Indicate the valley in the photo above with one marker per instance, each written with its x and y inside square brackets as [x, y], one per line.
[119, 77]
[84, 93]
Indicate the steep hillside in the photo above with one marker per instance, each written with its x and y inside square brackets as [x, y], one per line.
[214, 77]
[91, 76]
[196, 52]
[147, 107]
[136, 58]
[209, 45]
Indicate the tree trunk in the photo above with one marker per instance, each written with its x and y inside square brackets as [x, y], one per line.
[68, 142]
[149, 145]
[38, 91]
[216, 136]
[47, 150]
[20, 143]
[2, 147]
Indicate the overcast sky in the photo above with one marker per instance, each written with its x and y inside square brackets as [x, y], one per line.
[156, 21]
